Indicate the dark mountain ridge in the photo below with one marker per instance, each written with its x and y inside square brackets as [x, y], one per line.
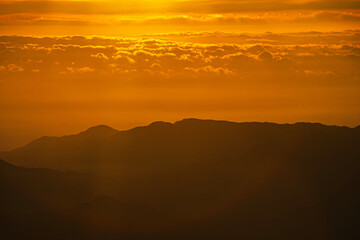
[102, 144]
[216, 179]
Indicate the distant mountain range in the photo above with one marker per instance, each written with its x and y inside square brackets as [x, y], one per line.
[193, 179]
[189, 141]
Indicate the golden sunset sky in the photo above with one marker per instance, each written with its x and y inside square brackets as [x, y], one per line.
[69, 65]
[134, 17]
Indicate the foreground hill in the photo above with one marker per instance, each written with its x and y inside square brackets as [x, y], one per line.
[31, 200]
[48, 204]
[214, 179]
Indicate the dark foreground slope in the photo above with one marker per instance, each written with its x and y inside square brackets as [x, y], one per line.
[31, 200]
[48, 204]
[212, 180]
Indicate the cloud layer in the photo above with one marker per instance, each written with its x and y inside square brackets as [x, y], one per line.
[307, 56]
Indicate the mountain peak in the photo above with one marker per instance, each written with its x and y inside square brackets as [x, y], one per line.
[160, 123]
[187, 120]
[100, 130]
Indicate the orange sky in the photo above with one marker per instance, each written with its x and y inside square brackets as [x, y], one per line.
[109, 17]
[75, 64]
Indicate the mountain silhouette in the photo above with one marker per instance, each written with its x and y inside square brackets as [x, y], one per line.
[161, 145]
[99, 131]
[198, 179]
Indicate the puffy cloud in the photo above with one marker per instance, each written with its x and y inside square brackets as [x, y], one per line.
[11, 68]
[297, 56]
[100, 56]
[79, 70]
[209, 69]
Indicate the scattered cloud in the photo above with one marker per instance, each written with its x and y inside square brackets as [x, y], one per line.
[305, 55]
[13, 68]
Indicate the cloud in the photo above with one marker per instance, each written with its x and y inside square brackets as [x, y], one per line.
[297, 56]
[209, 69]
[318, 73]
[79, 70]
[12, 68]
[100, 56]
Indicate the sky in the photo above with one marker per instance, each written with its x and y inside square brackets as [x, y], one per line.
[69, 65]
[134, 17]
